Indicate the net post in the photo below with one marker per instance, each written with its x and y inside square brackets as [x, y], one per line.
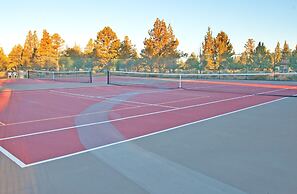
[180, 81]
[274, 77]
[108, 77]
[53, 75]
[91, 76]
[28, 74]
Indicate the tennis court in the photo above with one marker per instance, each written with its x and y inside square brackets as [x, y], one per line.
[145, 117]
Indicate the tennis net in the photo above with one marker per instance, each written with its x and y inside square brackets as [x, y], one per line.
[248, 83]
[63, 76]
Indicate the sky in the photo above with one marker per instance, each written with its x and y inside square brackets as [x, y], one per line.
[77, 21]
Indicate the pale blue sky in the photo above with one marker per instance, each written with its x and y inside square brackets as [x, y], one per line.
[77, 21]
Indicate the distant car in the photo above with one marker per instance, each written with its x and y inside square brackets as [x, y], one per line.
[15, 74]
[9, 74]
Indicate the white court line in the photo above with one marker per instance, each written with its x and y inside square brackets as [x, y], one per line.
[152, 134]
[81, 97]
[110, 99]
[98, 112]
[1, 123]
[12, 157]
[141, 92]
[183, 100]
[131, 117]
[74, 115]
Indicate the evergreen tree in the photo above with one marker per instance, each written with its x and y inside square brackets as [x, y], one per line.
[208, 50]
[89, 49]
[160, 49]
[28, 51]
[106, 47]
[3, 60]
[15, 58]
[57, 43]
[293, 61]
[243, 58]
[286, 52]
[89, 55]
[277, 54]
[262, 57]
[249, 51]
[45, 54]
[127, 49]
[35, 45]
[127, 55]
[72, 59]
[192, 62]
[223, 50]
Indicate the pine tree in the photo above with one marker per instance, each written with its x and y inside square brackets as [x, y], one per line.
[127, 55]
[223, 50]
[286, 52]
[15, 58]
[243, 58]
[57, 43]
[160, 49]
[192, 62]
[35, 46]
[277, 54]
[262, 57]
[127, 49]
[106, 47]
[293, 60]
[45, 53]
[249, 51]
[28, 51]
[208, 50]
[89, 49]
[72, 58]
[3, 60]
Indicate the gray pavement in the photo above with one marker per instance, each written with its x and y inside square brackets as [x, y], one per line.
[253, 151]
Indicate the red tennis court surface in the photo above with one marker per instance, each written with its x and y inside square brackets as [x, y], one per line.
[38, 126]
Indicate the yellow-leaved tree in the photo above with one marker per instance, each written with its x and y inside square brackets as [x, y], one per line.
[160, 49]
[3, 60]
[223, 51]
[107, 47]
[15, 58]
[57, 43]
[208, 51]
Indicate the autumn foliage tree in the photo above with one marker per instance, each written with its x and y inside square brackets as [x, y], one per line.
[286, 52]
[48, 51]
[3, 60]
[57, 43]
[277, 54]
[107, 47]
[89, 49]
[247, 57]
[208, 51]
[160, 49]
[217, 52]
[223, 51]
[15, 58]
[28, 51]
[30, 47]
